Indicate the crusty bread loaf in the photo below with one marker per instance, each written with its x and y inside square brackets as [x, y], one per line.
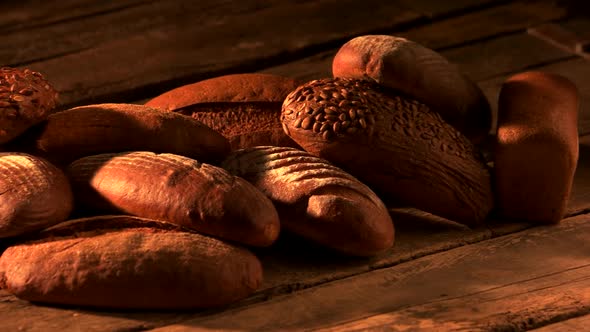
[128, 263]
[34, 194]
[536, 151]
[245, 108]
[316, 199]
[420, 73]
[105, 128]
[26, 99]
[394, 144]
[177, 189]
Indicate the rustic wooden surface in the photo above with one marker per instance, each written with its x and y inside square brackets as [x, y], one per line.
[442, 276]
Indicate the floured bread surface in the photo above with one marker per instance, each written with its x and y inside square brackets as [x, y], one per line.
[34, 194]
[111, 265]
[178, 189]
[317, 200]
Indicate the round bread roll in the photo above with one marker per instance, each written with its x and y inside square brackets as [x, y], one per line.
[124, 262]
[104, 128]
[176, 189]
[316, 199]
[536, 151]
[396, 145]
[26, 99]
[420, 73]
[245, 108]
[34, 194]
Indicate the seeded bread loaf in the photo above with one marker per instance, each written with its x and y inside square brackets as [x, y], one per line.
[537, 146]
[34, 194]
[420, 73]
[124, 262]
[176, 189]
[105, 128]
[245, 108]
[26, 99]
[316, 199]
[394, 144]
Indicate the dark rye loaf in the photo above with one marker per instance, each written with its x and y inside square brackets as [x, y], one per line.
[124, 262]
[393, 143]
[245, 108]
[317, 200]
[176, 189]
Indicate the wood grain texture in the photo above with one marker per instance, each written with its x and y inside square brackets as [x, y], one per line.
[569, 325]
[485, 275]
[183, 52]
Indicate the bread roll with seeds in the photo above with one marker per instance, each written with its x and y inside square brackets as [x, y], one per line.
[316, 199]
[34, 194]
[124, 262]
[420, 73]
[393, 143]
[177, 189]
[26, 99]
[104, 128]
[244, 108]
[536, 150]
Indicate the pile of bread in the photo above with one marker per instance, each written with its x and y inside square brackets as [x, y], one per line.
[158, 205]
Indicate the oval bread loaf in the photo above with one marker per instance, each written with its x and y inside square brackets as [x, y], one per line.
[394, 144]
[124, 262]
[176, 189]
[105, 128]
[26, 99]
[245, 108]
[317, 200]
[420, 73]
[34, 194]
[536, 150]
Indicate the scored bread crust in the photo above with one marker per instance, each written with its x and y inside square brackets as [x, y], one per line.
[316, 199]
[34, 194]
[126, 262]
[177, 189]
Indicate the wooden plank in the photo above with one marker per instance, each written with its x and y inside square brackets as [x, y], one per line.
[480, 60]
[508, 18]
[87, 29]
[571, 325]
[25, 15]
[551, 260]
[164, 57]
[434, 9]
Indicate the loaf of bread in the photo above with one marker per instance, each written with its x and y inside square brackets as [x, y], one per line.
[176, 189]
[34, 194]
[105, 128]
[245, 108]
[26, 99]
[317, 200]
[536, 151]
[420, 73]
[394, 144]
[124, 262]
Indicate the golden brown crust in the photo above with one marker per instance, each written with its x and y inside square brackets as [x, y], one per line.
[105, 128]
[26, 99]
[126, 267]
[177, 189]
[396, 145]
[420, 73]
[536, 151]
[34, 194]
[244, 108]
[316, 199]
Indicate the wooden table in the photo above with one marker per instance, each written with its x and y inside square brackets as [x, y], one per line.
[440, 276]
